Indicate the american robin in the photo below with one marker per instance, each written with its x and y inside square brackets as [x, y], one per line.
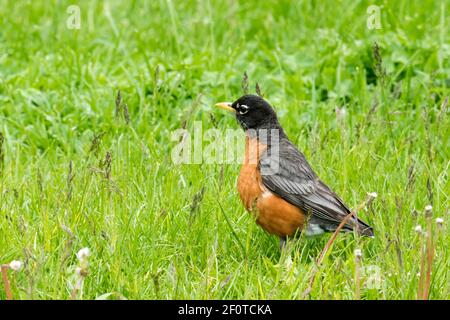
[276, 182]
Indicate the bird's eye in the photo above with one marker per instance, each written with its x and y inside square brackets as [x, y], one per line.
[243, 109]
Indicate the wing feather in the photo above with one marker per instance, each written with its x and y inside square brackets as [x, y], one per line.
[289, 175]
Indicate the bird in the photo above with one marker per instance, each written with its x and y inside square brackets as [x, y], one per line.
[277, 184]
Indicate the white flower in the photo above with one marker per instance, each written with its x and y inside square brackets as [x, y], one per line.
[83, 254]
[340, 113]
[373, 195]
[428, 208]
[370, 197]
[358, 253]
[15, 265]
[439, 221]
[418, 229]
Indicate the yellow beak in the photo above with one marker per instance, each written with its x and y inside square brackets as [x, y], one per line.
[225, 106]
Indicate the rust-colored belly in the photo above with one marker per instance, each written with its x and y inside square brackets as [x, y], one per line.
[273, 214]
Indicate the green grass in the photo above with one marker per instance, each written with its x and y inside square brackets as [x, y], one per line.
[172, 60]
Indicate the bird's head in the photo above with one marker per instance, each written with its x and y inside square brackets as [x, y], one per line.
[252, 112]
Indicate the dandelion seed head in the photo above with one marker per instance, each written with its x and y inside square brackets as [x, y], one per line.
[289, 262]
[373, 195]
[418, 229]
[439, 221]
[340, 113]
[428, 210]
[83, 254]
[15, 265]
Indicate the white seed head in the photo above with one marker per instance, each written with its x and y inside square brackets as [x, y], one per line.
[358, 253]
[428, 210]
[340, 113]
[15, 265]
[83, 254]
[373, 195]
[439, 221]
[289, 263]
[418, 229]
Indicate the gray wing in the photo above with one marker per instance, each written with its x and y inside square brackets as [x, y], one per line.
[290, 177]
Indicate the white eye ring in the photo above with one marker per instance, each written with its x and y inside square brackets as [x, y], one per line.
[243, 109]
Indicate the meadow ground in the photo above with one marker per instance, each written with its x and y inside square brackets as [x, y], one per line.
[75, 175]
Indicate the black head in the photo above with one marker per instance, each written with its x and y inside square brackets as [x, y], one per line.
[252, 112]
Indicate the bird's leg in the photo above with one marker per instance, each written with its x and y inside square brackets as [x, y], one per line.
[282, 243]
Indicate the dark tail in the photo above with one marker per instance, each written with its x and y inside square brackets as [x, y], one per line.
[364, 229]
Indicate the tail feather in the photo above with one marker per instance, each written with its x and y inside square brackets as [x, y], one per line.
[362, 228]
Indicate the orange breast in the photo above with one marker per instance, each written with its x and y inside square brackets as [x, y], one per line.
[273, 214]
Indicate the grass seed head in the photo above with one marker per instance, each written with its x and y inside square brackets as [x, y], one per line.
[258, 90]
[373, 195]
[380, 71]
[126, 113]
